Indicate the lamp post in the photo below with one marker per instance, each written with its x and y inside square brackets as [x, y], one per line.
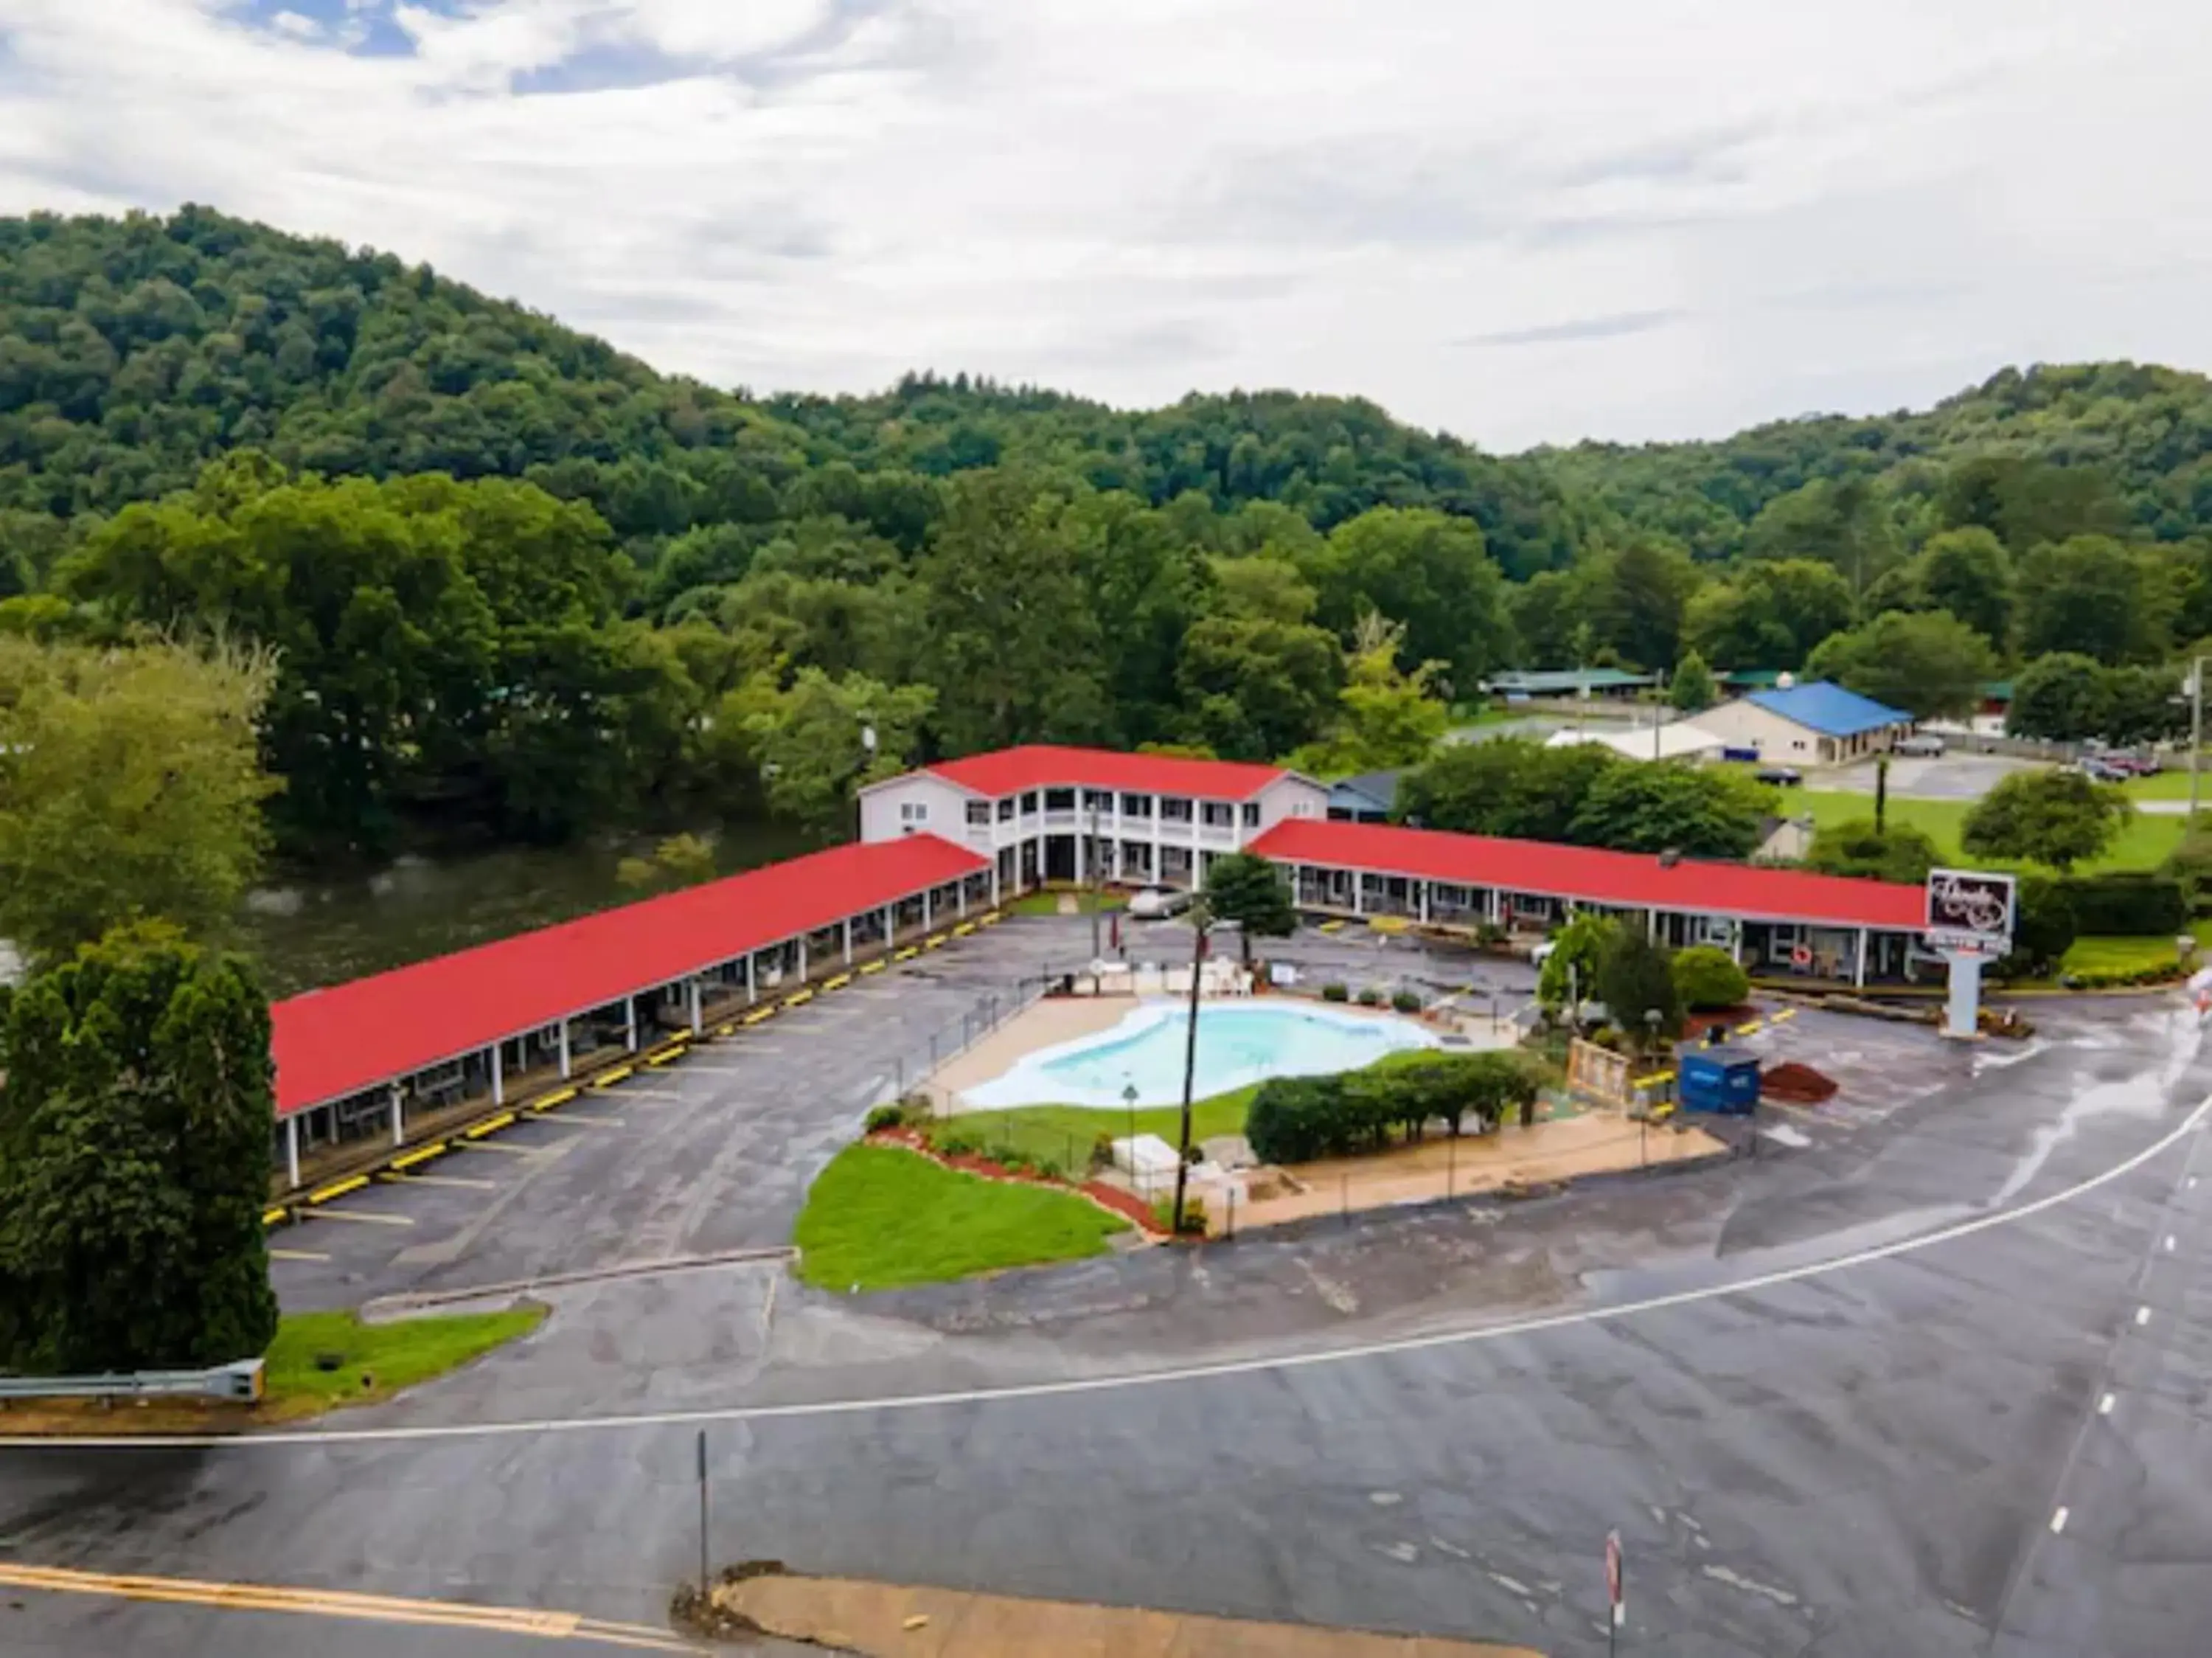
[867, 765]
[2195, 726]
[1200, 919]
[1129, 1099]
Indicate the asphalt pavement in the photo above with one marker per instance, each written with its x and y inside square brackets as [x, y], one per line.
[1931, 1381]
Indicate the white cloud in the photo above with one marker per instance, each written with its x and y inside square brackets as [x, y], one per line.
[1591, 216]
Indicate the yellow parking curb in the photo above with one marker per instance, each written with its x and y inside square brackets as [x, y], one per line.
[607, 1079]
[421, 1154]
[963, 929]
[934, 942]
[875, 966]
[725, 1030]
[798, 998]
[275, 1216]
[667, 1054]
[559, 1097]
[906, 955]
[838, 983]
[339, 1189]
[491, 1125]
[757, 1015]
[990, 920]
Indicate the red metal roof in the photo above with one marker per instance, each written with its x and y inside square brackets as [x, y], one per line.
[1629, 879]
[1010, 771]
[330, 1042]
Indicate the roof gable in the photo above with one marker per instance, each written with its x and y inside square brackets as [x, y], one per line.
[1828, 708]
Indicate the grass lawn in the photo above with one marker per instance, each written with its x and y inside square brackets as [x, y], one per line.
[2118, 955]
[375, 1360]
[2173, 783]
[2143, 844]
[881, 1218]
[1047, 903]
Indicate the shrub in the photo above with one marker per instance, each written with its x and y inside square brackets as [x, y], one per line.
[1335, 993]
[960, 1143]
[1101, 1151]
[1706, 977]
[1490, 935]
[1295, 1119]
[2190, 863]
[884, 1117]
[2043, 930]
[2130, 903]
[1048, 1169]
[1371, 997]
[1406, 1002]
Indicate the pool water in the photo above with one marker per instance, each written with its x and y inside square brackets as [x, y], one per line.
[1238, 1044]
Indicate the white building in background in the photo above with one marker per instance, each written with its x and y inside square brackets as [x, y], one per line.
[1048, 813]
[1816, 724]
[1677, 740]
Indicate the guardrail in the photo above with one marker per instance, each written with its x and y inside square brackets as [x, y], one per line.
[241, 1380]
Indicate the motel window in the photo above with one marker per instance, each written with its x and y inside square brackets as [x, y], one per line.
[1251, 814]
[1097, 799]
[1007, 809]
[914, 811]
[1215, 814]
[1060, 799]
[1136, 805]
[1029, 803]
[979, 814]
[1173, 810]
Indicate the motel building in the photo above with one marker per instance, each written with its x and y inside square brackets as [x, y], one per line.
[403, 1057]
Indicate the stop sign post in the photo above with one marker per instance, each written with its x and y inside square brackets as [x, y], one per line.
[1616, 1603]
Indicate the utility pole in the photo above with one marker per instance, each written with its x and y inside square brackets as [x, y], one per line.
[2195, 727]
[1200, 919]
[1097, 887]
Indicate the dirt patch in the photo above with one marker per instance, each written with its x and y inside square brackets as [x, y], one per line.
[1795, 1084]
[882, 1620]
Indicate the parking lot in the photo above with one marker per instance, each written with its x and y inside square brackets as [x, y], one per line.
[710, 1154]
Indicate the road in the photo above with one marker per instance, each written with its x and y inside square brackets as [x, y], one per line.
[1835, 1399]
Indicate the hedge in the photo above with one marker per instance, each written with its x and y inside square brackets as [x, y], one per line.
[1706, 978]
[1295, 1119]
[2127, 903]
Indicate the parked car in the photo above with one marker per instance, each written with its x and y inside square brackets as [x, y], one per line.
[2101, 770]
[1782, 777]
[1922, 744]
[1158, 903]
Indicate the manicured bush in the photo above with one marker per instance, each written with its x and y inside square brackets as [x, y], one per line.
[1371, 997]
[884, 1117]
[1295, 1119]
[1048, 1169]
[2043, 928]
[960, 1143]
[1335, 993]
[1706, 977]
[1406, 1002]
[2190, 863]
[1101, 1151]
[2127, 903]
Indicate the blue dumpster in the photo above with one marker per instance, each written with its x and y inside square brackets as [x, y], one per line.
[1718, 1079]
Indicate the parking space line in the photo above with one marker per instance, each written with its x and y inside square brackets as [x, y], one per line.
[571, 1121]
[297, 1255]
[359, 1217]
[487, 1145]
[464, 1182]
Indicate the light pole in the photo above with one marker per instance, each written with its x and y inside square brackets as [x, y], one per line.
[2195, 727]
[1200, 919]
[1097, 885]
[1129, 1099]
[867, 765]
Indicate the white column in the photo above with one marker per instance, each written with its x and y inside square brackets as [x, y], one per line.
[1081, 858]
[1424, 903]
[1735, 941]
[1490, 906]
[292, 1147]
[925, 910]
[498, 1076]
[629, 1022]
[891, 923]
[802, 960]
[960, 900]
[848, 941]
[1359, 892]
[564, 1050]
[752, 995]
[399, 1117]
[995, 877]
[1652, 925]
[1858, 972]
[696, 1020]
[1159, 855]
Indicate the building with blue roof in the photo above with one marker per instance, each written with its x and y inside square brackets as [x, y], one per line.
[1816, 724]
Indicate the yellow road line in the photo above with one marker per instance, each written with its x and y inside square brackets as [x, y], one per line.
[608, 1079]
[339, 1189]
[875, 966]
[400, 1165]
[491, 1125]
[295, 1255]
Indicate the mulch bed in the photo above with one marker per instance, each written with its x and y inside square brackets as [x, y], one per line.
[1125, 1205]
[1795, 1085]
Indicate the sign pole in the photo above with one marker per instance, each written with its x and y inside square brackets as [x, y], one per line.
[702, 1514]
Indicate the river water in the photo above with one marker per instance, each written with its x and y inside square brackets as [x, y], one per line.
[306, 931]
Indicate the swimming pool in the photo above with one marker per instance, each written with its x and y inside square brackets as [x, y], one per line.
[1238, 1044]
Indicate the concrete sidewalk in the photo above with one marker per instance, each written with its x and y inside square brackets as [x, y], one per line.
[882, 1619]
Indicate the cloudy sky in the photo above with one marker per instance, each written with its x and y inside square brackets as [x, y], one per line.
[1522, 220]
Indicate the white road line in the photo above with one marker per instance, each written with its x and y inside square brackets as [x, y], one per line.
[2058, 1521]
[2169, 1243]
[2105, 1405]
[2143, 1316]
[464, 1182]
[295, 1255]
[356, 1215]
[1222, 1369]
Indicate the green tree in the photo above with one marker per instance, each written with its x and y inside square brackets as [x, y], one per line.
[1248, 890]
[1635, 600]
[2060, 697]
[1894, 852]
[1255, 690]
[1548, 620]
[812, 750]
[1772, 616]
[1429, 571]
[1387, 716]
[1663, 806]
[1927, 663]
[1968, 573]
[1260, 590]
[2053, 816]
[1707, 980]
[2096, 596]
[1016, 654]
[1841, 522]
[1510, 786]
[134, 1129]
[1693, 690]
[1571, 964]
[129, 788]
[2028, 502]
[1635, 980]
